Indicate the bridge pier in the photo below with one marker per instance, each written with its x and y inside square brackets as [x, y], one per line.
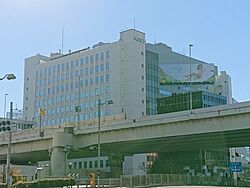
[62, 142]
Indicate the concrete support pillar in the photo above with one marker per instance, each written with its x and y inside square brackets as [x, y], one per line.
[61, 144]
[115, 163]
[58, 162]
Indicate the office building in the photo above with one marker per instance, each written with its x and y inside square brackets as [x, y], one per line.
[62, 82]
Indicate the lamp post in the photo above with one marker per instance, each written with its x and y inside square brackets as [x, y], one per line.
[9, 150]
[190, 78]
[4, 111]
[108, 101]
[9, 77]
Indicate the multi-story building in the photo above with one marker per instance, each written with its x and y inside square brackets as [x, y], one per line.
[61, 82]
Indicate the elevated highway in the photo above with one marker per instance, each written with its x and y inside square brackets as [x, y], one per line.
[223, 126]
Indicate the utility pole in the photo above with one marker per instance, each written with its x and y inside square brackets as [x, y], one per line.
[8, 180]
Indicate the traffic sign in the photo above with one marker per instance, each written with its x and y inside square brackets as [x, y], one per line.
[235, 166]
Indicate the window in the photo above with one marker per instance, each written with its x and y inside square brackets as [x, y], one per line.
[72, 64]
[67, 66]
[102, 56]
[76, 73]
[96, 57]
[86, 71]
[77, 62]
[96, 68]
[91, 59]
[86, 60]
[80, 164]
[96, 164]
[85, 164]
[58, 68]
[86, 83]
[107, 54]
[81, 61]
[102, 79]
[96, 80]
[90, 164]
[107, 66]
[102, 67]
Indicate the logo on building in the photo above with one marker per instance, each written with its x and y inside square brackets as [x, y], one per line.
[139, 40]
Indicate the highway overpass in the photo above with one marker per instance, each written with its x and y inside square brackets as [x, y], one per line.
[215, 127]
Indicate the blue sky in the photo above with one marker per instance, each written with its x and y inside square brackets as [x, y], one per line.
[218, 29]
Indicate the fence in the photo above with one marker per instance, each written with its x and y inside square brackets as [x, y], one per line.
[153, 180]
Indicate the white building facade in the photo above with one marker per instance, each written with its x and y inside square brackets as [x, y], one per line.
[62, 82]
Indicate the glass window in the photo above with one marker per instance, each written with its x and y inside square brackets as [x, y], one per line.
[72, 64]
[77, 62]
[81, 61]
[86, 60]
[76, 84]
[90, 164]
[49, 71]
[96, 80]
[71, 85]
[96, 57]
[86, 83]
[62, 67]
[81, 83]
[91, 70]
[91, 81]
[67, 66]
[77, 73]
[86, 71]
[96, 68]
[102, 67]
[85, 164]
[81, 71]
[91, 59]
[102, 79]
[71, 74]
[102, 56]
[58, 68]
[107, 77]
[107, 66]
[107, 54]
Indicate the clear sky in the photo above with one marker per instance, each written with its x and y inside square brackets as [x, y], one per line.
[218, 29]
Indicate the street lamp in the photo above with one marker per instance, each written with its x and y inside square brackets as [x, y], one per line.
[190, 78]
[108, 102]
[9, 150]
[9, 77]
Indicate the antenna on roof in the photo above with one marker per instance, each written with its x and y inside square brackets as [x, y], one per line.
[62, 39]
[154, 39]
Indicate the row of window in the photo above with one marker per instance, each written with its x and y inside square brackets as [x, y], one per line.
[73, 64]
[74, 118]
[73, 96]
[89, 81]
[71, 86]
[87, 164]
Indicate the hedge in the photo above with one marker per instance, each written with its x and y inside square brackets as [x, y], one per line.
[50, 182]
